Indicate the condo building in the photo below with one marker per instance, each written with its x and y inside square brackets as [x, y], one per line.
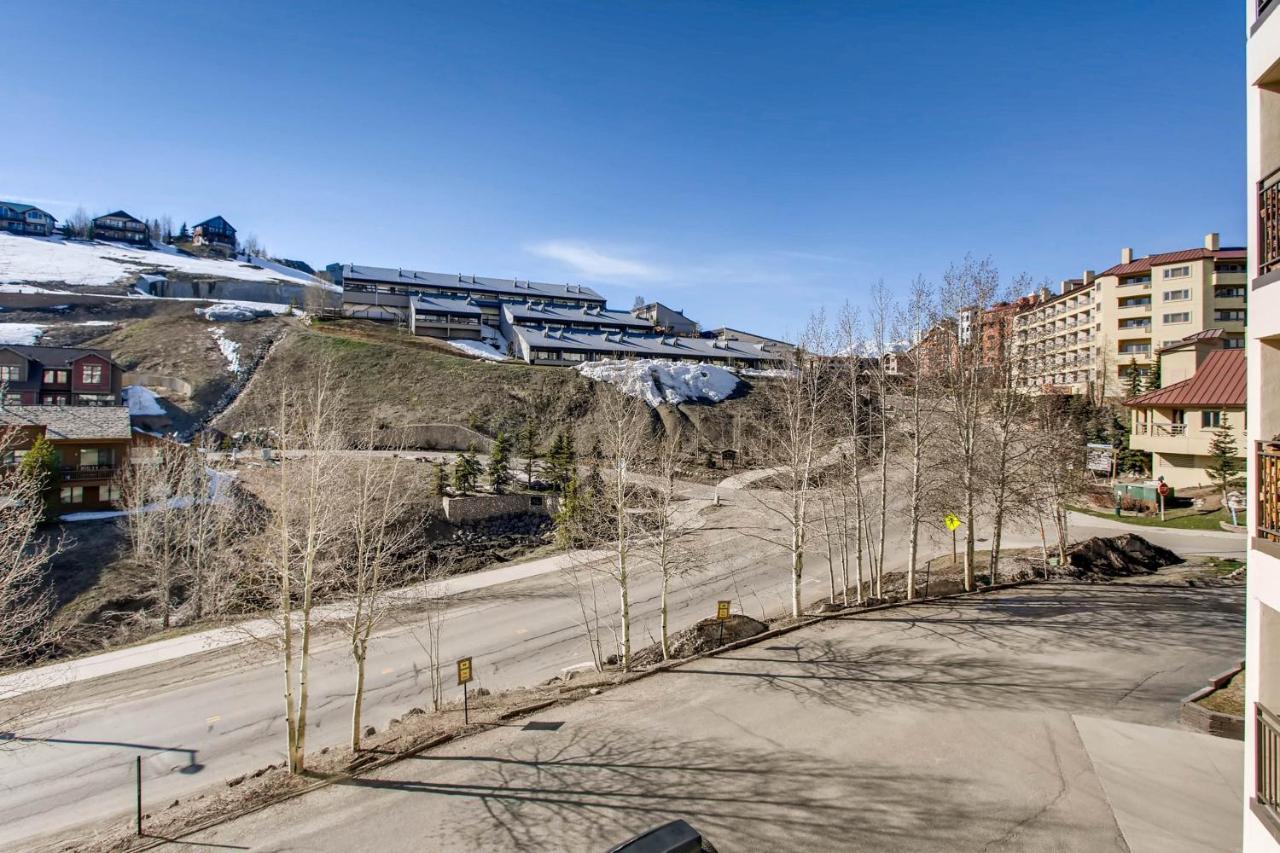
[1262, 633]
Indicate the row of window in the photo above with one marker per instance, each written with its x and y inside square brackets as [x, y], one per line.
[75, 494]
[89, 373]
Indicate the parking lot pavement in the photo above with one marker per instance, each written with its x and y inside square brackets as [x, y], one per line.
[942, 726]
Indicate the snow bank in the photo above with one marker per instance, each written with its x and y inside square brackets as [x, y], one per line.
[771, 373]
[230, 349]
[141, 401]
[84, 264]
[232, 312]
[656, 381]
[480, 349]
[20, 333]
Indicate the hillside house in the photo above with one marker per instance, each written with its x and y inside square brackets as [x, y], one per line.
[666, 320]
[769, 345]
[120, 227]
[26, 219]
[215, 233]
[92, 443]
[1202, 389]
[58, 376]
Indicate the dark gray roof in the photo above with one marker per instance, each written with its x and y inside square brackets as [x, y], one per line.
[446, 305]
[119, 214]
[725, 331]
[71, 422]
[477, 283]
[56, 356]
[541, 312]
[630, 343]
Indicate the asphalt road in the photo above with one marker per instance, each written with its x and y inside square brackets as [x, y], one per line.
[201, 719]
[1034, 719]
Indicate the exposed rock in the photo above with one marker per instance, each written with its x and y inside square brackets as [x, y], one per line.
[482, 691]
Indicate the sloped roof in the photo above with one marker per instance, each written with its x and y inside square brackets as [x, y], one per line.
[56, 356]
[1192, 340]
[119, 214]
[541, 312]
[63, 423]
[631, 343]
[453, 281]
[1220, 381]
[1145, 264]
[19, 207]
[217, 221]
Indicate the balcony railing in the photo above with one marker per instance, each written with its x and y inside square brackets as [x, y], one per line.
[89, 472]
[1268, 468]
[1169, 429]
[1266, 757]
[1269, 222]
[1140, 428]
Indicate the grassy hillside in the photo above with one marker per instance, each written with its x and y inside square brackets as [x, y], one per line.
[397, 380]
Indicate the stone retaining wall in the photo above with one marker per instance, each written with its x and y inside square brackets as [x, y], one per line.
[471, 508]
[1196, 716]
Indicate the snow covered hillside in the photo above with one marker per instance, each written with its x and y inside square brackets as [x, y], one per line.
[84, 264]
[658, 382]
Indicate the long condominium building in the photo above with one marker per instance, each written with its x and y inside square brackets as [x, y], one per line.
[1261, 795]
[1101, 327]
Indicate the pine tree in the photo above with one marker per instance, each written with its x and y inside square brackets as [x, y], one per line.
[568, 518]
[466, 470]
[1153, 374]
[562, 461]
[441, 487]
[1226, 468]
[527, 446]
[183, 234]
[1134, 379]
[42, 463]
[500, 464]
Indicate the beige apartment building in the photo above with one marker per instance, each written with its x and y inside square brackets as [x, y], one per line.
[1088, 337]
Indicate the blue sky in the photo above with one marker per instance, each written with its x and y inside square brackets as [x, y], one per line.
[747, 162]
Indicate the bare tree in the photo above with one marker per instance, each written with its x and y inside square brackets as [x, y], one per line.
[150, 493]
[666, 526]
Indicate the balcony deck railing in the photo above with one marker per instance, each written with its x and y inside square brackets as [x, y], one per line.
[1269, 223]
[1268, 468]
[1267, 761]
[89, 472]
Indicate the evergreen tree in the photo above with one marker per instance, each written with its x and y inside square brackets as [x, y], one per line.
[1134, 379]
[527, 446]
[1226, 468]
[569, 517]
[500, 464]
[562, 461]
[441, 487]
[42, 463]
[183, 234]
[466, 470]
[1153, 374]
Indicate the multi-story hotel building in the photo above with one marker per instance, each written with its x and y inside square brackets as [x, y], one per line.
[1262, 634]
[1099, 328]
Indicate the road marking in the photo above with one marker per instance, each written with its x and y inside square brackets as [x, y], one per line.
[388, 671]
[522, 630]
[214, 719]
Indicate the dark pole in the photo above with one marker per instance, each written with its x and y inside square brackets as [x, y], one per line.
[138, 768]
[466, 714]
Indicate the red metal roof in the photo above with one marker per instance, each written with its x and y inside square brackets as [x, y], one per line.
[1192, 340]
[1220, 381]
[1145, 264]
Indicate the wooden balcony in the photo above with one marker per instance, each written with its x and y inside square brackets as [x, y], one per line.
[1268, 219]
[89, 472]
[1268, 473]
[1266, 764]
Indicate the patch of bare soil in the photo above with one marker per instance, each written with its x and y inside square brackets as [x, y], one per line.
[1227, 699]
[1103, 558]
[705, 636]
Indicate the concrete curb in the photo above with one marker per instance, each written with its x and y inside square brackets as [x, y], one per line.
[359, 768]
[1195, 716]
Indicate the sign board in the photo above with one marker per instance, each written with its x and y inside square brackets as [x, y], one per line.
[1099, 457]
[952, 521]
[722, 610]
[1236, 501]
[1163, 488]
[464, 671]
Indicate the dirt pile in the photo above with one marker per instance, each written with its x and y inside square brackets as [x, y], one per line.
[1101, 558]
[703, 637]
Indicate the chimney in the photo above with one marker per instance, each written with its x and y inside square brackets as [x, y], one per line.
[1087, 278]
[1126, 255]
[1211, 241]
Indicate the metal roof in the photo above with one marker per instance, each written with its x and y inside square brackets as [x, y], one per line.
[1145, 264]
[542, 312]
[119, 214]
[1220, 381]
[66, 423]
[483, 284]
[630, 343]
[56, 356]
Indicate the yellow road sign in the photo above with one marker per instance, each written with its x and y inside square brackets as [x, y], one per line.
[952, 521]
[464, 671]
[722, 610]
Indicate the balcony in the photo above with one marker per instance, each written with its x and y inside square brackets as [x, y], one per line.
[1269, 222]
[89, 472]
[1268, 468]
[1266, 757]
[1170, 430]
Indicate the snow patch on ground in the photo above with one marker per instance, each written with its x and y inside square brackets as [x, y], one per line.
[20, 333]
[84, 264]
[231, 312]
[656, 381]
[141, 401]
[26, 288]
[480, 349]
[773, 373]
[230, 349]
[95, 323]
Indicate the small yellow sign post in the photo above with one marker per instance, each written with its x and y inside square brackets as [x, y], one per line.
[464, 677]
[722, 616]
[953, 523]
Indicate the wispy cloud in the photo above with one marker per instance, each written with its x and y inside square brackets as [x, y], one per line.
[594, 263]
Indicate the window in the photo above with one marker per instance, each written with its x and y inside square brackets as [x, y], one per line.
[95, 456]
[55, 377]
[10, 373]
[1180, 317]
[1176, 295]
[1229, 292]
[13, 457]
[72, 495]
[1176, 272]
[109, 493]
[95, 400]
[1210, 420]
[1233, 343]
[91, 373]
[1236, 314]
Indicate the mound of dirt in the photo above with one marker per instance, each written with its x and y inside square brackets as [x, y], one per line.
[1100, 558]
[703, 637]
